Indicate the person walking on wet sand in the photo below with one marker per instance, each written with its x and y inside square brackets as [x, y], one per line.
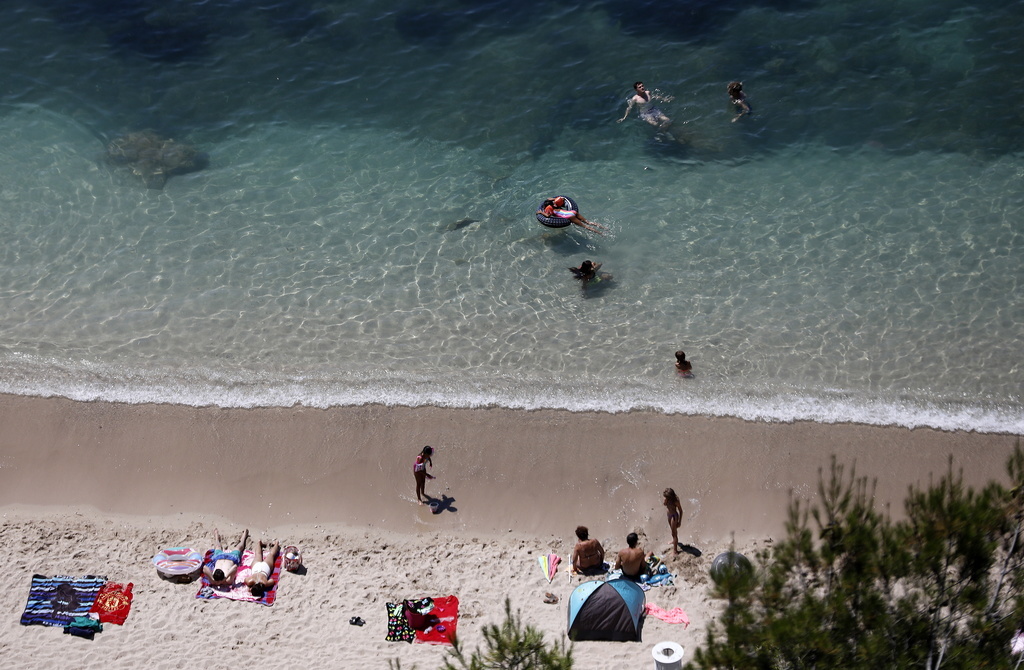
[675, 516]
[419, 471]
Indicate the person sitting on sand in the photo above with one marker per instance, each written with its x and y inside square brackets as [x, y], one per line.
[738, 98]
[550, 205]
[419, 471]
[260, 581]
[632, 560]
[222, 567]
[588, 556]
[683, 367]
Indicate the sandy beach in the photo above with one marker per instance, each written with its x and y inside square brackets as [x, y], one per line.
[98, 488]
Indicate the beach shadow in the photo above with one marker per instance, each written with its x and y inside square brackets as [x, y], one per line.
[444, 504]
[690, 549]
[565, 241]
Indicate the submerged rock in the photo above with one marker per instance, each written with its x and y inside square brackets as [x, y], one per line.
[460, 224]
[155, 158]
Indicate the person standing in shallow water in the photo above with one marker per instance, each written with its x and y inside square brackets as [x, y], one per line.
[683, 367]
[675, 516]
[419, 471]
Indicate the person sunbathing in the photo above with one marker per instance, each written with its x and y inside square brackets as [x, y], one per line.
[633, 559]
[260, 580]
[222, 567]
[588, 555]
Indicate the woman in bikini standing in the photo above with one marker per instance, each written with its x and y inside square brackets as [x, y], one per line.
[675, 516]
[419, 470]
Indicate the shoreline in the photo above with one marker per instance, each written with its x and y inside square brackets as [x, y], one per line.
[547, 470]
[716, 400]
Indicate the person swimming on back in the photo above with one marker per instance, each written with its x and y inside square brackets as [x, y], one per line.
[648, 112]
[553, 208]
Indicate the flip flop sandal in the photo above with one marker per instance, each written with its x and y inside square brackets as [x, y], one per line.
[356, 621]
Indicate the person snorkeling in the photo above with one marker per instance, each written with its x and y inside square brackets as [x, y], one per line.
[588, 272]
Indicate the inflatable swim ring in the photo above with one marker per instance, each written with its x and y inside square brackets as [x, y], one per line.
[561, 216]
[178, 563]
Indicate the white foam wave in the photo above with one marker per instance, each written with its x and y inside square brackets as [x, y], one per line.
[670, 396]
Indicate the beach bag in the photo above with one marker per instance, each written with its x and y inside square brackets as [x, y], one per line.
[415, 615]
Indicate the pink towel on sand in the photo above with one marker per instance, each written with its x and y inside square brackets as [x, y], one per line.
[674, 615]
[238, 590]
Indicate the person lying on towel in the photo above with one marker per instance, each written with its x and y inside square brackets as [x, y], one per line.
[260, 581]
[222, 568]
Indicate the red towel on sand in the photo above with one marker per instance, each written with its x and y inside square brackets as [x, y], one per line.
[113, 602]
[446, 609]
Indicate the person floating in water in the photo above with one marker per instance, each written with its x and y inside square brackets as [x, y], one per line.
[553, 207]
[648, 112]
[739, 99]
[683, 366]
[588, 273]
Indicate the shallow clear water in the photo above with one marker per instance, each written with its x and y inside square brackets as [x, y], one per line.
[365, 230]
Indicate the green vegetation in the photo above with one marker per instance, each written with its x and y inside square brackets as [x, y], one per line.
[850, 588]
[510, 646]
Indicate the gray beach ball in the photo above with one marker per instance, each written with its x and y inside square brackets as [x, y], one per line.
[730, 563]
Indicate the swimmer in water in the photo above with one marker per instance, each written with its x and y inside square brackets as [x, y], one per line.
[588, 272]
[648, 112]
[683, 366]
[738, 98]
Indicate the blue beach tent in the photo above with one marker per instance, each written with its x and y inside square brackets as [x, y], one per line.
[611, 610]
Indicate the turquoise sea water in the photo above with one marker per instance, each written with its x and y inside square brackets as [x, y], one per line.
[851, 252]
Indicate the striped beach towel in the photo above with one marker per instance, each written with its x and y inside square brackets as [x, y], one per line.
[55, 601]
[238, 590]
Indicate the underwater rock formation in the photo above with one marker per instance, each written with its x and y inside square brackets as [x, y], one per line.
[155, 158]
